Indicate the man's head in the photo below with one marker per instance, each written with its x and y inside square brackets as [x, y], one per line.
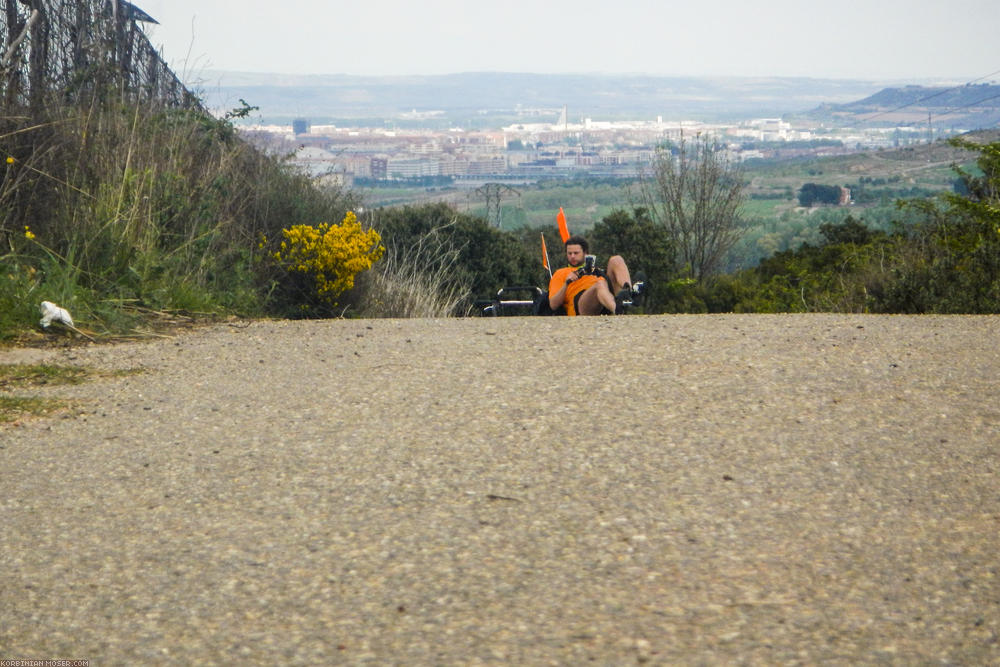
[576, 250]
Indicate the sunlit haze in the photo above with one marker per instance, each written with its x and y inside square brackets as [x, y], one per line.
[876, 39]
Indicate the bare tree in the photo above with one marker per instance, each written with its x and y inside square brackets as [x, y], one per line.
[696, 195]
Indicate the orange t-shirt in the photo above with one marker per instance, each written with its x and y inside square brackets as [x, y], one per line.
[579, 285]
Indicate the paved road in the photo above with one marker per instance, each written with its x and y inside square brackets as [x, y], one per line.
[668, 490]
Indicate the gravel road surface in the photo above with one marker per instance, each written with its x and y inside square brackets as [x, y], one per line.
[790, 489]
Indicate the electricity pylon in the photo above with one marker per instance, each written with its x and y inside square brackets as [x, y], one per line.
[494, 193]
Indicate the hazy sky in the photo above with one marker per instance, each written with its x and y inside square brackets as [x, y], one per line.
[874, 39]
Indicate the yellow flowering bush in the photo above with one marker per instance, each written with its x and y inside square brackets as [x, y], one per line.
[331, 255]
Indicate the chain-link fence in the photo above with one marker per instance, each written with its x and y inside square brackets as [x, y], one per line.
[61, 51]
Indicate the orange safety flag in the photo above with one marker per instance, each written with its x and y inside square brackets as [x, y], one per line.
[563, 229]
[545, 256]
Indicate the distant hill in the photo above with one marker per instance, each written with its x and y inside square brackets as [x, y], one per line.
[963, 97]
[482, 97]
[972, 106]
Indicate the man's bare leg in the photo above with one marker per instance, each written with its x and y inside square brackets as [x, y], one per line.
[596, 297]
[618, 274]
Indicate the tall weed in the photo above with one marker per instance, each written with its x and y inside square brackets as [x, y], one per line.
[417, 281]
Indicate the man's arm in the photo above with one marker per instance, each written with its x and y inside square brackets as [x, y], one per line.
[557, 298]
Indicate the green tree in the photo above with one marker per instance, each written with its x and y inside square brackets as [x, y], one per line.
[644, 245]
[843, 273]
[952, 258]
[814, 193]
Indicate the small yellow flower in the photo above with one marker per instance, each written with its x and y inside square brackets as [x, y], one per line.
[10, 160]
[28, 234]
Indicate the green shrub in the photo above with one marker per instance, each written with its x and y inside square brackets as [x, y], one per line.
[143, 208]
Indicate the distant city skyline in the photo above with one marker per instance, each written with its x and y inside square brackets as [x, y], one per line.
[850, 39]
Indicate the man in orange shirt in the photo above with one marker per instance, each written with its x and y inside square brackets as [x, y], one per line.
[586, 291]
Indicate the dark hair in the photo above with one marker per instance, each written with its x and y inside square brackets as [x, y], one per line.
[580, 241]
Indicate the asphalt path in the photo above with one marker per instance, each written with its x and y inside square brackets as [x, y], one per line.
[732, 489]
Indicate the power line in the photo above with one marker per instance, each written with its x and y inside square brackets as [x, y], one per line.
[966, 106]
[928, 97]
[949, 110]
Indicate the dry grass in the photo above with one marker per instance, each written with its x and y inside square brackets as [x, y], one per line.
[26, 376]
[15, 379]
[418, 283]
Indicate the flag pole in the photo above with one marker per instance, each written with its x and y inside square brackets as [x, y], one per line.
[545, 257]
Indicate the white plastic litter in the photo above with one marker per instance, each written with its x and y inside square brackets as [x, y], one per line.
[53, 313]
